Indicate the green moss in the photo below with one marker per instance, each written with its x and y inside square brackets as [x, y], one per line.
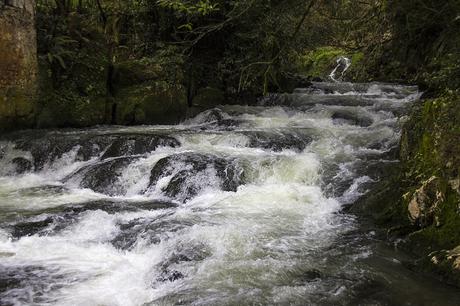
[320, 62]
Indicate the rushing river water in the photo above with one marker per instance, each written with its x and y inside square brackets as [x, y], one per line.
[241, 205]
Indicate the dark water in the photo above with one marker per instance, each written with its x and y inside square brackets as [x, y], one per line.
[238, 206]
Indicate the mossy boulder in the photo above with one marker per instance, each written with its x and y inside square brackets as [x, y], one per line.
[151, 103]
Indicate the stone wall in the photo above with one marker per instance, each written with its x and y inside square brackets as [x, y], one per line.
[18, 63]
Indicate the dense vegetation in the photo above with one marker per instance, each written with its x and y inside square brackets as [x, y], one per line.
[204, 50]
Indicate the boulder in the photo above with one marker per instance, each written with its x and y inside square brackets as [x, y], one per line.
[190, 173]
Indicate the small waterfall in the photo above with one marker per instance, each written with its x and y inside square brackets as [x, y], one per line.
[344, 63]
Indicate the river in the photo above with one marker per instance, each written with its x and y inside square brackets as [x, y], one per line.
[241, 205]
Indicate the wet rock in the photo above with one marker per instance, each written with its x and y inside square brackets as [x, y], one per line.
[170, 276]
[275, 99]
[138, 144]
[425, 203]
[47, 147]
[146, 231]
[57, 219]
[103, 176]
[22, 165]
[113, 207]
[215, 119]
[278, 141]
[212, 116]
[185, 253]
[30, 228]
[445, 263]
[191, 172]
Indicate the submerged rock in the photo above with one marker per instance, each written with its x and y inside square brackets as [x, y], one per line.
[30, 228]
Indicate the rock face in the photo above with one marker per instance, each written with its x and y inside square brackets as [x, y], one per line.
[425, 202]
[18, 63]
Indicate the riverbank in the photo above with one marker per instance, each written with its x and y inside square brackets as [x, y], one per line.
[419, 204]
